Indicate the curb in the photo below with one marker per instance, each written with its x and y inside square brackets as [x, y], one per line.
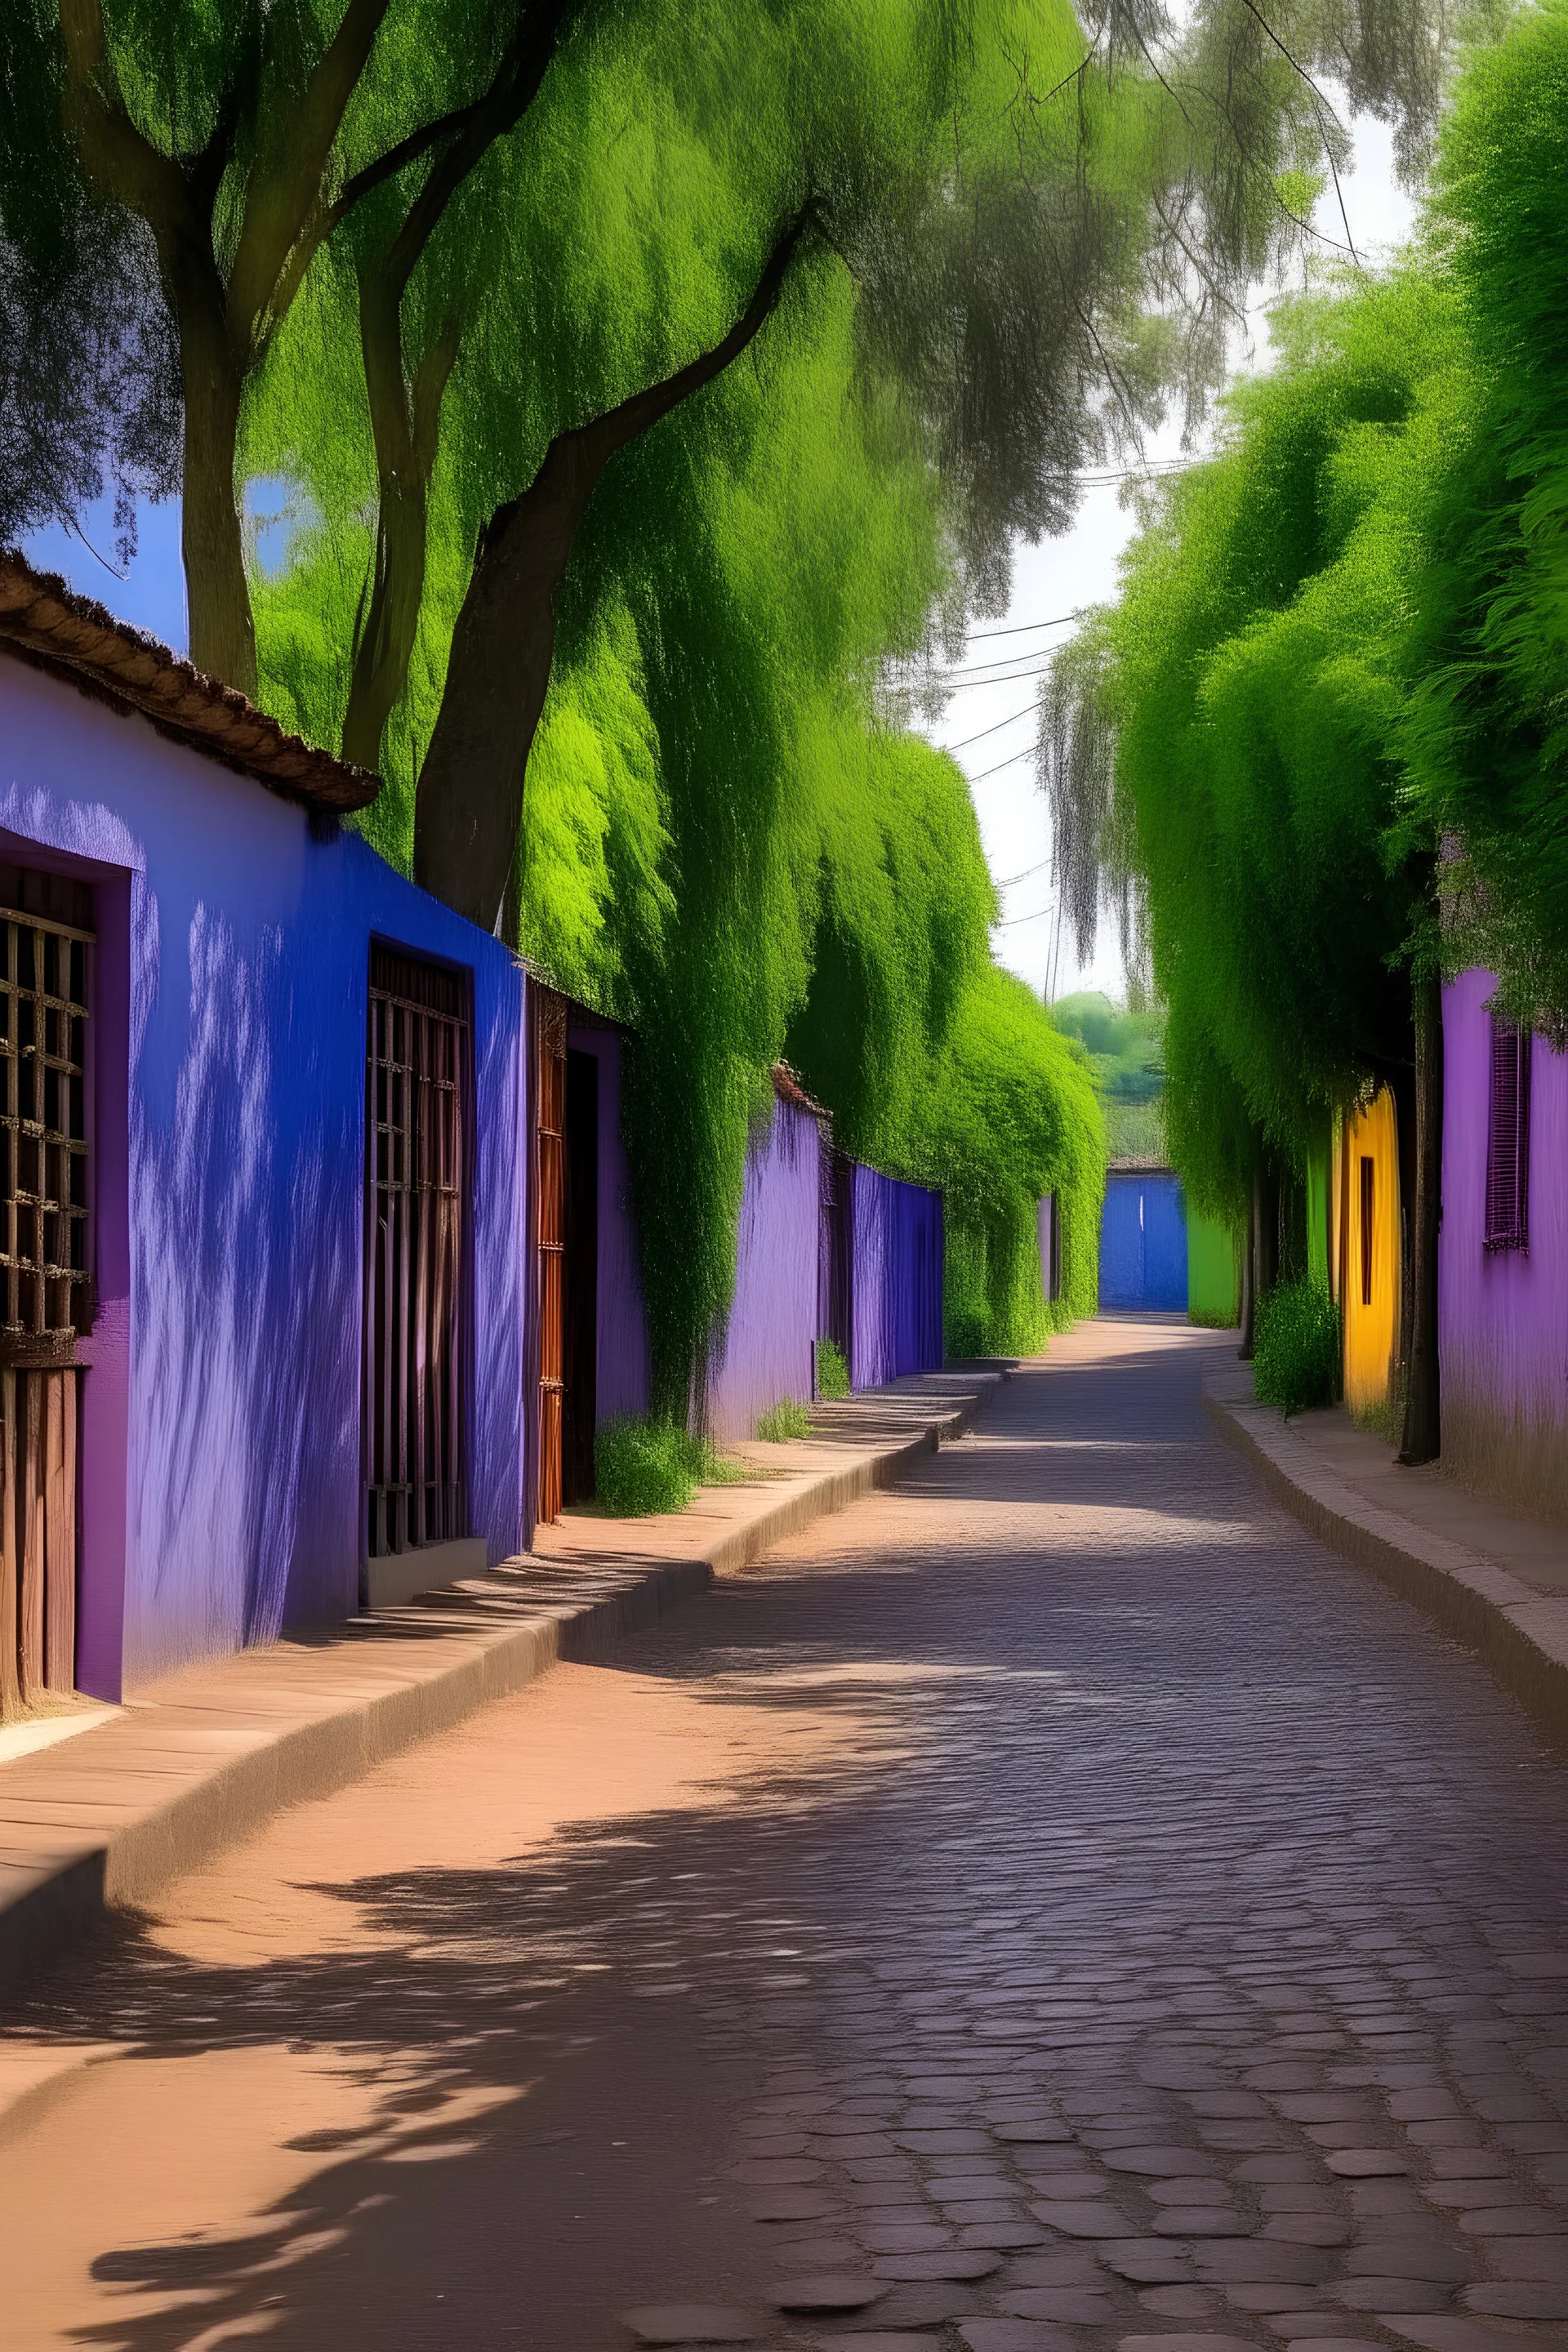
[1519, 1635]
[223, 1753]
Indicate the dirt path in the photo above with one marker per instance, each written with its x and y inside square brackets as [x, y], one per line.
[1056, 1892]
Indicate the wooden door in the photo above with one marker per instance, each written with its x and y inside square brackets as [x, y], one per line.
[549, 1236]
[46, 1303]
[580, 1308]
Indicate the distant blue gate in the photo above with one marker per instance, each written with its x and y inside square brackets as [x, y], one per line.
[1143, 1242]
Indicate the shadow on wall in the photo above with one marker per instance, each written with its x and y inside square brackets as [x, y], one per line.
[246, 1375]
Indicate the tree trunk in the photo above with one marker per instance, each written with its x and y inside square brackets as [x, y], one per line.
[217, 593]
[1265, 1230]
[1248, 1294]
[1423, 1416]
[469, 802]
[470, 790]
[404, 421]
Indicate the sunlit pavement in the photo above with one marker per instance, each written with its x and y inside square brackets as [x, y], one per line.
[1053, 1904]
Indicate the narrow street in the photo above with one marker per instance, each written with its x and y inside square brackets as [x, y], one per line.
[1055, 1893]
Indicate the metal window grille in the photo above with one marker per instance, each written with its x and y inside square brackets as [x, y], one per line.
[418, 1062]
[1508, 1139]
[44, 1280]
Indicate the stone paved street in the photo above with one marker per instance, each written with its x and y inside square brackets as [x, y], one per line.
[1054, 1907]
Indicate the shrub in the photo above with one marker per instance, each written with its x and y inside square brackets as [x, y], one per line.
[789, 1418]
[832, 1372]
[643, 1465]
[1297, 1358]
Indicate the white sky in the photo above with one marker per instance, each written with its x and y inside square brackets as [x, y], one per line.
[1059, 576]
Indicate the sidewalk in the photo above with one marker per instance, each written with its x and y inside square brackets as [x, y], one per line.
[95, 1822]
[1497, 1583]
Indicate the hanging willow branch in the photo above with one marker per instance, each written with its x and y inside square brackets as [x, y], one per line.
[1093, 829]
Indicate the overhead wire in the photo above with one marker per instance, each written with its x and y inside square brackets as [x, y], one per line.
[1017, 758]
[962, 744]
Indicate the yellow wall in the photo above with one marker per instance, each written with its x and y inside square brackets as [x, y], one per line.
[1371, 1330]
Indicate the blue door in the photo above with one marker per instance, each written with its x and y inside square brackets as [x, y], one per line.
[1165, 1244]
[1144, 1245]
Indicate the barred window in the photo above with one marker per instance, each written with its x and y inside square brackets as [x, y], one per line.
[1508, 1139]
[44, 1276]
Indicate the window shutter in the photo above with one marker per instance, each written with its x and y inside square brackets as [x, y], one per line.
[1508, 1139]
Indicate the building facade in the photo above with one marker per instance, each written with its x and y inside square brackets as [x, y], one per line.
[1504, 1256]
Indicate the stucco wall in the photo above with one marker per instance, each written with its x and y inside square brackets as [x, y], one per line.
[764, 1352]
[221, 1409]
[1503, 1313]
[896, 1279]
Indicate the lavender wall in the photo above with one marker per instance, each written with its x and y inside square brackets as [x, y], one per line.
[764, 1352]
[1503, 1313]
[221, 1495]
[897, 1280]
[621, 1364]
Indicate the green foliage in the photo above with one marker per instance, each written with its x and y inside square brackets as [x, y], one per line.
[1297, 1360]
[1135, 1131]
[646, 1464]
[832, 1372]
[1009, 1113]
[1489, 748]
[1256, 678]
[725, 839]
[1125, 1048]
[785, 1421]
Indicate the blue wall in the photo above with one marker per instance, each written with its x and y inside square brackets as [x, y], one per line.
[896, 1279]
[1143, 1244]
[221, 1468]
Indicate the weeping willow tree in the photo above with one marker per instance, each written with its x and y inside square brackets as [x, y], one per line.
[1229, 742]
[646, 379]
[1487, 748]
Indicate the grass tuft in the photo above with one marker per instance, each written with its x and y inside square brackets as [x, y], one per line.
[642, 1465]
[832, 1372]
[786, 1420]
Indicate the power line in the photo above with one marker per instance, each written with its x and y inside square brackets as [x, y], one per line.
[1012, 677]
[1037, 917]
[1022, 628]
[1007, 880]
[962, 745]
[997, 771]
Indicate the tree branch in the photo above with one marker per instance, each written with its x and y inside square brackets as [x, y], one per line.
[645, 409]
[282, 201]
[125, 164]
[513, 90]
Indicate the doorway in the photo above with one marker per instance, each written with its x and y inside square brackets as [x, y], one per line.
[46, 937]
[581, 1270]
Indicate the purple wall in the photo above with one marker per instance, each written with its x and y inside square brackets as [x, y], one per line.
[621, 1357]
[1503, 1313]
[221, 1496]
[764, 1352]
[896, 1281]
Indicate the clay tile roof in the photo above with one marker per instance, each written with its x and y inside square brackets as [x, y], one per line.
[789, 1088]
[50, 625]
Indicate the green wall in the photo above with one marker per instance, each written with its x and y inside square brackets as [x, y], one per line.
[1213, 1272]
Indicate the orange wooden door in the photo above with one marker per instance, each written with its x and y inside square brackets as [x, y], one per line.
[549, 1237]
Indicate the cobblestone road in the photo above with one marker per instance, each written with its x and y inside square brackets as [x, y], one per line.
[1055, 1906]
